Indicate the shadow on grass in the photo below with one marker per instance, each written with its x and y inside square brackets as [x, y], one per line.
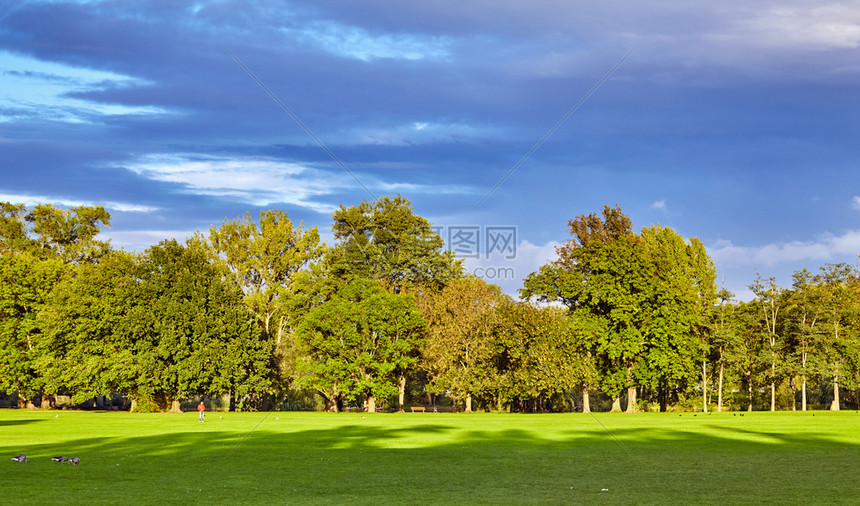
[349, 461]
[7, 423]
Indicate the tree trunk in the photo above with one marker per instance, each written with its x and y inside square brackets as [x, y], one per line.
[720, 389]
[616, 404]
[468, 403]
[834, 406]
[750, 393]
[586, 403]
[331, 404]
[401, 399]
[175, 406]
[704, 386]
[663, 396]
[803, 393]
[793, 397]
[133, 407]
[772, 396]
[631, 399]
[371, 404]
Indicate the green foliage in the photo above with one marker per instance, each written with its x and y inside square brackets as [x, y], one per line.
[159, 327]
[641, 299]
[356, 342]
[385, 240]
[25, 284]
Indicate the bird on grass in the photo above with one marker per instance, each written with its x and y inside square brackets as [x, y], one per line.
[20, 458]
[59, 458]
[74, 461]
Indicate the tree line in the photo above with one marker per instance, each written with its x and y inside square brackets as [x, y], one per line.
[262, 313]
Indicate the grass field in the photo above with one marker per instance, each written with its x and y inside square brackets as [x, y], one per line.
[317, 458]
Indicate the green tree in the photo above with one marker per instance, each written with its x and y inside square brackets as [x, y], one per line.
[25, 283]
[13, 229]
[268, 257]
[358, 343]
[679, 293]
[839, 341]
[724, 338]
[772, 301]
[36, 249]
[69, 235]
[459, 348]
[804, 322]
[385, 240]
[598, 275]
[750, 356]
[539, 356]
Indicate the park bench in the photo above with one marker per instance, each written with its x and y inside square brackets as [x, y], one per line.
[433, 409]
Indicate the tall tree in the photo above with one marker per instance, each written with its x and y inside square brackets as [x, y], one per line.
[189, 331]
[69, 235]
[840, 342]
[540, 355]
[598, 276]
[356, 342]
[804, 316]
[83, 350]
[266, 256]
[771, 299]
[37, 250]
[25, 284]
[724, 338]
[680, 292]
[459, 349]
[385, 240]
[269, 257]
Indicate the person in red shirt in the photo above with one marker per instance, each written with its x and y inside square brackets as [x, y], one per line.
[201, 408]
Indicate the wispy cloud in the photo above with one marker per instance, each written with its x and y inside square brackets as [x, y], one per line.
[265, 182]
[816, 26]
[855, 203]
[358, 43]
[44, 90]
[826, 248]
[254, 181]
[659, 205]
[31, 200]
[509, 273]
[139, 240]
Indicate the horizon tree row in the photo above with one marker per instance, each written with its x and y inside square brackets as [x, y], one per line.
[264, 314]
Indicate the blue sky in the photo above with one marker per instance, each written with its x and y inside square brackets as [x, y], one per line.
[734, 122]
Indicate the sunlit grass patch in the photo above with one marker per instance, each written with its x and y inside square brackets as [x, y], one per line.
[306, 458]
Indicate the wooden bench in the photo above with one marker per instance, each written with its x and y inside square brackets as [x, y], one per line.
[418, 409]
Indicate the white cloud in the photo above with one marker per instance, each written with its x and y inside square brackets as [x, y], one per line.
[509, 273]
[855, 203]
[659, 205]
[826, 248]
[258, 182]
[139, 240]
[812, 25]
[266, 182]
[354, 42]
[32, 200]
[39, 89]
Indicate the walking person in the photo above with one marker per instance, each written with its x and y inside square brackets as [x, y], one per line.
[201, 408]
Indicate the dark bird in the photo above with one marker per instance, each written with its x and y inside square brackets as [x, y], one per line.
[59, 458]
[74, 460]
[20, 458]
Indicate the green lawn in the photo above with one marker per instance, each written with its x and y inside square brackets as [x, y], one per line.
[317, 458]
